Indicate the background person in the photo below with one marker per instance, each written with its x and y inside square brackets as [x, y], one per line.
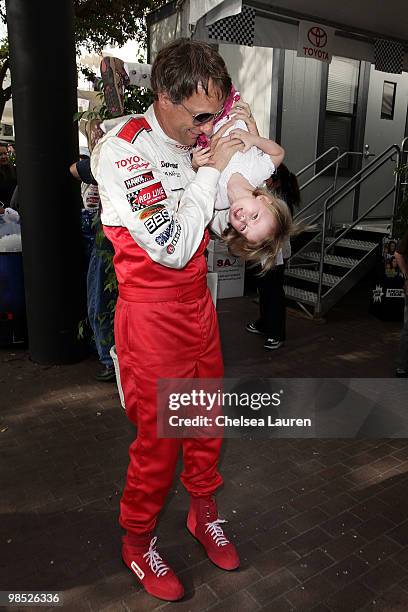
[8, 176]
[98, 298]
[272, 302]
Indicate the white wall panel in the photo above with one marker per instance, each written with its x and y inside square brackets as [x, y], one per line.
[163, 32]
[251, 72]
[300, 113]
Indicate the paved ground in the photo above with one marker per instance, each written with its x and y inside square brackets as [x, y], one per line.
[320, 524]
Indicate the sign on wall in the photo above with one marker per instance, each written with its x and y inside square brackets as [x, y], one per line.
[388, 297]
[315, 41]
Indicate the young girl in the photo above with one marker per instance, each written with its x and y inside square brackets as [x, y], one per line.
[253, 221]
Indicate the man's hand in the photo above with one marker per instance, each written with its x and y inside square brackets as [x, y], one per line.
[223, 149]
[201, 157]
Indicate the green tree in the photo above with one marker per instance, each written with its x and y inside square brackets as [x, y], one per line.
[98, 23]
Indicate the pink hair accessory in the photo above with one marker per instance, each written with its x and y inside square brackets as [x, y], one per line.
[233, 96]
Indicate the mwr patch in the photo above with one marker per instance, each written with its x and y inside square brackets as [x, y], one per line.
[149, 211]
[132, 128]
[151, 194]
[138, 180]
[157, 220]
[171, 247]
[165, 236]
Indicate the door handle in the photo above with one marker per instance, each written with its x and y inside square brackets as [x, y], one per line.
[367, 153]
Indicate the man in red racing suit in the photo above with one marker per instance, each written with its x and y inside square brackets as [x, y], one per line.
[155, 210]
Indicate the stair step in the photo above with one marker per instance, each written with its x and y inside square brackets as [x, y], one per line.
[348, 243]
[381, 227]
[334, 260]
[306, 297]
[312, 276]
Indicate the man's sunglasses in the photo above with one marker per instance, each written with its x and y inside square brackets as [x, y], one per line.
[201, 118]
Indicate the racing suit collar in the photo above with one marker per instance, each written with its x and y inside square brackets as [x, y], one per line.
[176, 147]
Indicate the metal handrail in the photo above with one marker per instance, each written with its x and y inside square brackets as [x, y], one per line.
[332, 186]
[348, 183]
[314, 162]
[342, 192]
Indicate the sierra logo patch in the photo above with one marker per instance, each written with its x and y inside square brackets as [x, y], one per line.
[148, 211]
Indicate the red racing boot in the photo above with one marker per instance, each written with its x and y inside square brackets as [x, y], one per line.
[203, 523]
[140, 556]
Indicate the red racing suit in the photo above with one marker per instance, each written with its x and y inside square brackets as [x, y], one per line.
[155, 209]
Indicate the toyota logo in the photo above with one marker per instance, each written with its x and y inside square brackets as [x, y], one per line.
[317, 37]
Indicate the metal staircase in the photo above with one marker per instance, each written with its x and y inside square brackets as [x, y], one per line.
[333, 260]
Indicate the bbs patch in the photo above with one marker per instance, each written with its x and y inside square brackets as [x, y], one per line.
[153, 223]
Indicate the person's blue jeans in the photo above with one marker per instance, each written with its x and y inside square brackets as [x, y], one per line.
[88, 233]
[100, 318]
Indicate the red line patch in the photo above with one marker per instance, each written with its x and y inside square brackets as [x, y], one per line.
[133, 128]
[151, 194]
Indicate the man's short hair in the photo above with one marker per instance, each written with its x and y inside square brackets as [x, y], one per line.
[183, 65]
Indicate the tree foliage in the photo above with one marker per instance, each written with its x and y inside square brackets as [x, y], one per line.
[98, 23]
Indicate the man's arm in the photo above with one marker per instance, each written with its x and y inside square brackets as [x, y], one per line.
[81, 170]
[135, 195]
[219, 222]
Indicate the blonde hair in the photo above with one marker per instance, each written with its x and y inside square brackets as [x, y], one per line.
[265, 251]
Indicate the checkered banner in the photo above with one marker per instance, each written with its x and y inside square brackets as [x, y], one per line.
[238, 29]
[388, 56]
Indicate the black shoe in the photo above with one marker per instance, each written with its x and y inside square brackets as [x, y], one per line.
[400, 373]
[252, 328]
[271, 344]
[107, 374]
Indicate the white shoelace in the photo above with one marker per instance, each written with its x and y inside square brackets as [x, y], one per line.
[217, 533]
[155, 561]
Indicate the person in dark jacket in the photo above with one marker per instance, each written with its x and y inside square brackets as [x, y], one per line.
[272, 307]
